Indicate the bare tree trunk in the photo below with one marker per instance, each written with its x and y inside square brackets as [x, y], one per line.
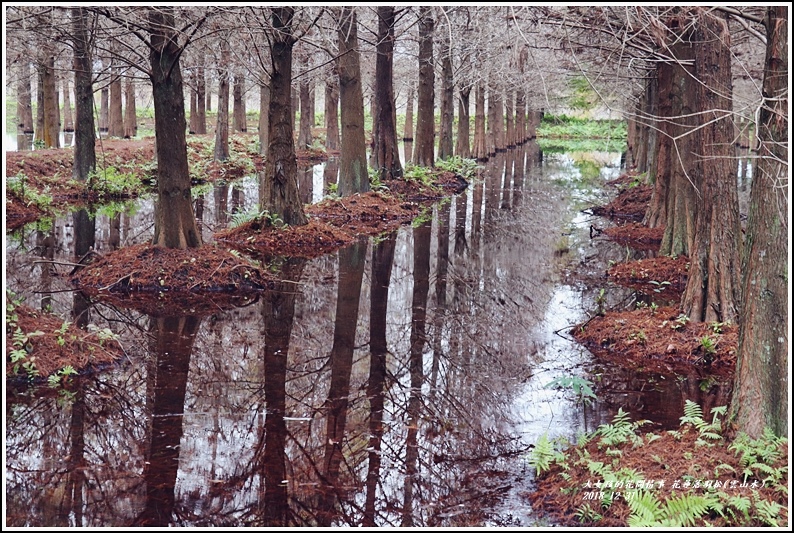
[353, 172]
[425, 125]
[761, 383]
[480, 146]
[447, 100]
[387, 156]
[408, 132]
[264, 116]
[193, 104]
[51, 126]
[279, 183]
[24, 103]
[510, 132]
[462, 146]
[130, 112]
[496, 121]
[174, 222]
[201, 100]
[103, 103]
[221, 152]
[712, 291]
[332, 111]
[115, 114]
[521, 116]
[84, 133]
[208, 89]
[305, 127]
[239, 121]
[68, 118]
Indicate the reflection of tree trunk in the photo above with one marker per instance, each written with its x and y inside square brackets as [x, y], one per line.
[330, 172]
[278, 184]
[46, 245]
[761, 382]
[353, 173]
[84, 134]
[518, 174]
[174, 338]
[221, 194]
[84, 240]
[278, 311]
[425, 123]
[507, 181]
[460, 223]
[351, 271]
[418, 340]
[382, 258]
[442, 268]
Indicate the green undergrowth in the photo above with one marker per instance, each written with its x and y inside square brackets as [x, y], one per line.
[692, 476]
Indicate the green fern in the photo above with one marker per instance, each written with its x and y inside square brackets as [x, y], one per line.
[620, 431]
[768, 512]
[645, 510]
[544, 454]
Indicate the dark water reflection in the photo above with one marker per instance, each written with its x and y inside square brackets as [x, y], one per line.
[399, 382]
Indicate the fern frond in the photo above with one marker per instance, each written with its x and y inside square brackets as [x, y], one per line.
[684, 510]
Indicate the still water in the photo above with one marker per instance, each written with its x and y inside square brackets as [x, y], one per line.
[398, 382]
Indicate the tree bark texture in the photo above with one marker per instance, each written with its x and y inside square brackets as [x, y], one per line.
[68, 117]
[264, 116]
[463, 141]
[279, 183]
[115, 113]
[353, 172]
[175, 224]
[239, 121]
[447, 101]
[24, 102]
[332, 112]
[200, 127]
[221, 151]
[387, 155]
[84, 133]
[130, 113]
[305, 128]
[712, 291]
[480, 151]
[424, 145]
[51, 126]
[760, 388]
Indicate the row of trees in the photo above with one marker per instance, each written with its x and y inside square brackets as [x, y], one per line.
[677, 62]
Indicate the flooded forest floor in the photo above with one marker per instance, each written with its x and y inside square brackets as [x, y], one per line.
[653, 337]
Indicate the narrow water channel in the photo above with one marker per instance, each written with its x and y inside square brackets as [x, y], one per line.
[398, 382]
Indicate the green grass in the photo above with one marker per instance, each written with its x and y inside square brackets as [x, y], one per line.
[565, 127]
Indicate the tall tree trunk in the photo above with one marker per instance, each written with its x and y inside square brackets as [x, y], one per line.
[239, 124]
[305, 125]
[496, 121]
[51, 114]
[208, 93]
[425, 118]
[24, 103]
[115, 114]
[68, 118]
[103, 103]
[174, 221]
[221, 152]
[279, 183]
[39, 129]
[712, 291]
[387, 155]
[332, 112]
[353, 172]
[264, 115]
[521, 116]
[84, 133]
[762, 366]
[510, 132]
[201, 100]
[480, 141]
[408, 132]
[447, 100]
[192, 121]
[130, 112]
[677, 168]
[463, 143]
